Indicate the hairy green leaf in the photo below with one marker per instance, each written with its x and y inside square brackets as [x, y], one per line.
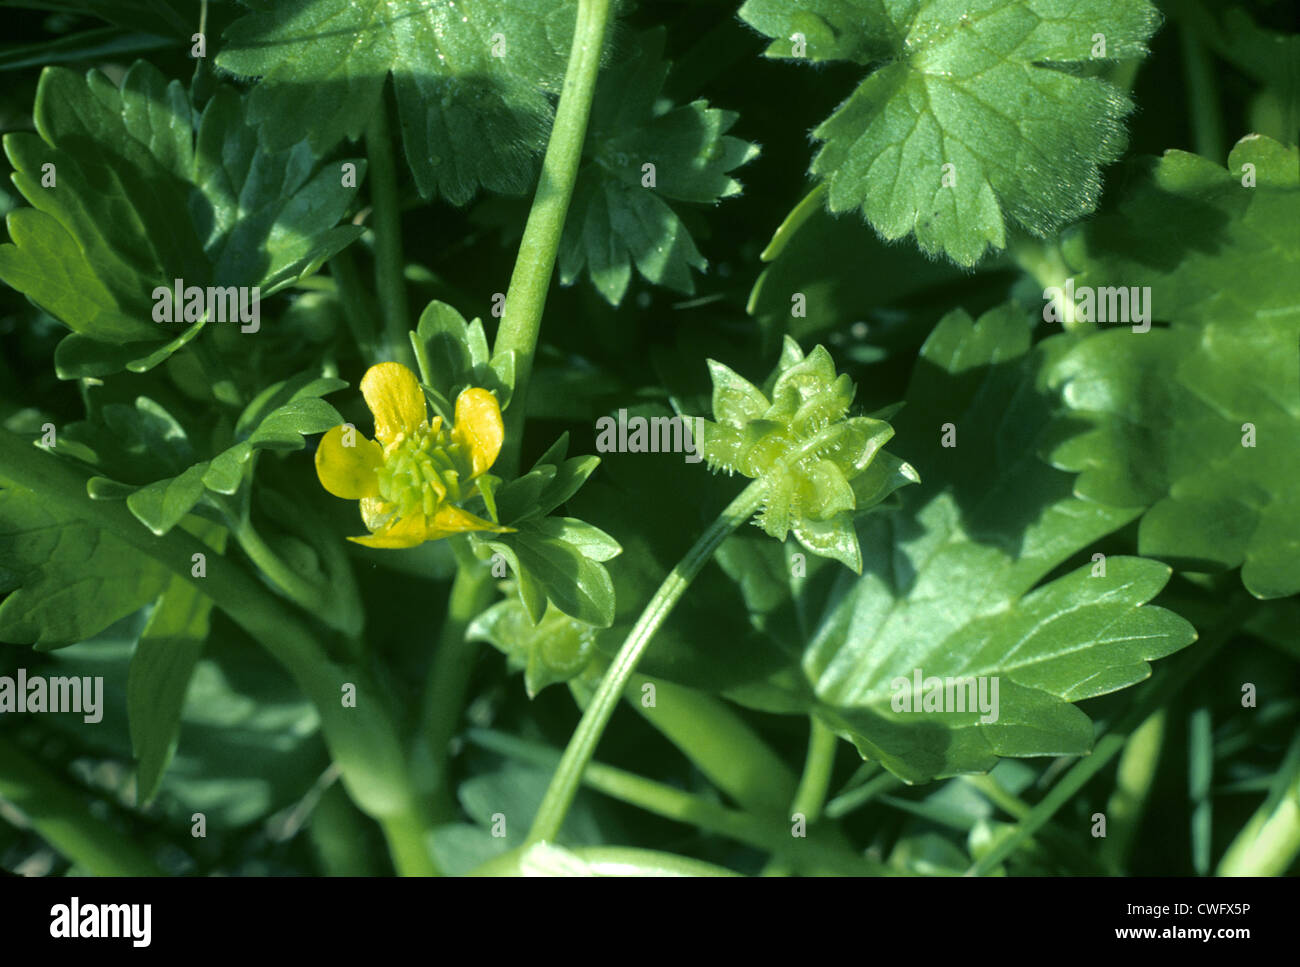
[977, 115]
[472, 80]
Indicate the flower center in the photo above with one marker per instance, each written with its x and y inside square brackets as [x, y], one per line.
[422, 469]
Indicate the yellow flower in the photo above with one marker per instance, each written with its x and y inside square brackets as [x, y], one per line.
[412, 482]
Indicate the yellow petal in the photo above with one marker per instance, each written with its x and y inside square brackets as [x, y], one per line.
[452, 520]
[402, 533]
[394, 396]
[410, 531]
[348, 471]
[479, 428]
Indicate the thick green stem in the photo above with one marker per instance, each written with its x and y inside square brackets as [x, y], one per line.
[390, 280]
[719, 743]
[354, 303]
[407, 835]
[1133, 780]
[58, 811]
[1202, 97]
[308, 596]
[595, 861]
[1267, 848]
[362, 737]
[340, 834]
[810, 798]
[1270, 841]
[1043, 261]
[630, 861]
[531, 280]
[449, 676]
[582, 746]
[818, 765]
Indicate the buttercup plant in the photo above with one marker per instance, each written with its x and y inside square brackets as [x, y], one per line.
[1022, 572]
[413, 481]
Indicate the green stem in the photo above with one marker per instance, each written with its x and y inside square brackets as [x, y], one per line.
[449, 676]
[582, 746]
[719, 743]
[353, 302]
[407, 835]
[1009, 803]
[1200, 776]
[1173, 681]
[810, 798]
[58, 811]
[340, 834]
[767, 834]
[810, 205]
[596, 861]
[308, 596]
[1064, 845]
[630, 861]
[1267, 848]
[1043, 261]
[363, 739]
[390, 281]
[1202, 97]
[1270, 841]
[535, 264]
[859, 796]
[818, 765]
[1134, 777]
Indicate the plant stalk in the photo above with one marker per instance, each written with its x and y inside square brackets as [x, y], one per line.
[1202, 97]
[1270, 841]
[390, 280]
[729, 753]
[810, 798]
[1134, 778]
[449, 676]
[531, 279]
[582, 746]
[769, 834]
[353, 303]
